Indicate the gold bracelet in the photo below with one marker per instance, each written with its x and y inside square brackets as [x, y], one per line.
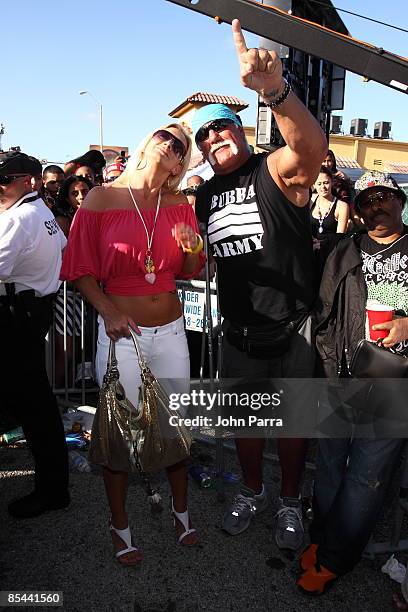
[198, 248]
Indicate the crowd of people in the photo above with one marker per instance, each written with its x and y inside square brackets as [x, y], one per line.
[293, 279]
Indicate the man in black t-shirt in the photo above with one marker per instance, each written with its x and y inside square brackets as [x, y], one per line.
[255, 209]
[353, 473]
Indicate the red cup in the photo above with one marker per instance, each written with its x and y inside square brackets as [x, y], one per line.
[379, 313]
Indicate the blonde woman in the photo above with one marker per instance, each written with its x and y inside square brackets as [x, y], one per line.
[128, 243]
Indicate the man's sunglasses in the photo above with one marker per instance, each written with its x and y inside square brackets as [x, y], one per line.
[10, 178]
[380, 196]
[217, 126]
[176, 144]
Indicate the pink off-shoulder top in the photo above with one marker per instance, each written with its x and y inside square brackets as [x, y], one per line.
[111, 246]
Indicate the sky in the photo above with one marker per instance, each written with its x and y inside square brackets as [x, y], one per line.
[141, 59]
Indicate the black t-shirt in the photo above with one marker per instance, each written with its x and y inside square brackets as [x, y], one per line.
[262, 244]
[385, 268]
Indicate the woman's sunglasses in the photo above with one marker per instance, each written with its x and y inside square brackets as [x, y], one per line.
[10, 178]
[217, 126]
[176, 144]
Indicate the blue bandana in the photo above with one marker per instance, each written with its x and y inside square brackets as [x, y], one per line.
[211, 112]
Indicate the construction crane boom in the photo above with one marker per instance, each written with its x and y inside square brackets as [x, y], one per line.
[373, 63]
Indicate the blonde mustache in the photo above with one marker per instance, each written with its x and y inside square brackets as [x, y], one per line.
[230, 143]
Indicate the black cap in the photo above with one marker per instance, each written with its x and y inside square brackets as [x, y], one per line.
[92, 158]
[36, 166]
[16, 162]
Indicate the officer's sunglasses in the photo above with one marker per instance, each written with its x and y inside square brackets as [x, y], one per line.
[10, 178]
[380, 196]
[176, 144]
[217, 126]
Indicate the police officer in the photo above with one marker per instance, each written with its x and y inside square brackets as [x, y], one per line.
[31, 245]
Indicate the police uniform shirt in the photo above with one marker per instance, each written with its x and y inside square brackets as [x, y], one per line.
[31, 244]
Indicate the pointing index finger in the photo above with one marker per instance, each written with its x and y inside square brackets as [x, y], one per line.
[239, 39]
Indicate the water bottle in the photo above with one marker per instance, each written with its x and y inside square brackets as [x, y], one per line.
[11, 436]
[201, 476]
[78, 462]
[74, 440]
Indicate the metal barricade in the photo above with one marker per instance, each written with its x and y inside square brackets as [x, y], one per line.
[71, 342]
[71, 348]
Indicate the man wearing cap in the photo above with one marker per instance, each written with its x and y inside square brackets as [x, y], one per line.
[352, 474]
[31, 245]
[112, 171]
[256, 212]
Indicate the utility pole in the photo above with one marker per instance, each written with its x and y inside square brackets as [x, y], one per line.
[2, 130]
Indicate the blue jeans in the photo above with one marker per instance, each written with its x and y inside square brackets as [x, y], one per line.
[351, 480]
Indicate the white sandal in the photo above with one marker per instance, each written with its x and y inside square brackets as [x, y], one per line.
[184, 520]
[125, 535]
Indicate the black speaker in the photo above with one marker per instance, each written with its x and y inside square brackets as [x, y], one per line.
[319, 84]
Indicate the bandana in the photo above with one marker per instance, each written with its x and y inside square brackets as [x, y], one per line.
[211, 112]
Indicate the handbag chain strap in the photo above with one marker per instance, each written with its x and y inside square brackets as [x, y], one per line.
[142, 363]
[112, 371]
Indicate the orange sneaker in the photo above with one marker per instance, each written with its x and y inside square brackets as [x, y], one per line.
[308, 557]
[316, 580]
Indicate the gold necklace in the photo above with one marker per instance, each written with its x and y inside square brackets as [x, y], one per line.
[150, 276]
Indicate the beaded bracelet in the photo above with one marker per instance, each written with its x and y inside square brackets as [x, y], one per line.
[281, 99]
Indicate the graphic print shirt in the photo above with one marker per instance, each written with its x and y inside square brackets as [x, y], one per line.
[262, 245]
[385, 269]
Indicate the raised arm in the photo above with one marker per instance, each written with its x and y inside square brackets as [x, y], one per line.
[297, 163]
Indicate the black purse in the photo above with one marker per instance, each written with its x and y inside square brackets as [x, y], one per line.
[372, 360]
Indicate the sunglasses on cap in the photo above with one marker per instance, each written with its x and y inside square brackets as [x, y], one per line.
[380, 196]
[217, 126]
[176, 144]
[10, 178]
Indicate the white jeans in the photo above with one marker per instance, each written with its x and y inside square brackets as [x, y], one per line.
[164, 349]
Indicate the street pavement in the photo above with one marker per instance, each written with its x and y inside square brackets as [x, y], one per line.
[70, 551]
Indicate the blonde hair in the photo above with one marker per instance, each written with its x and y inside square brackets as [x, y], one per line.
[136, 160]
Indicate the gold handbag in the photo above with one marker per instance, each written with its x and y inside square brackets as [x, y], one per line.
[125, 439]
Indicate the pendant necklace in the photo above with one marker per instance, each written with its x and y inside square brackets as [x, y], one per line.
[150, 276]
[321, 219]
